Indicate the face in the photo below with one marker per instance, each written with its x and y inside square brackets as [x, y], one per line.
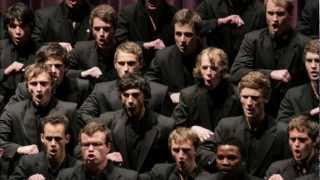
[312, 64]
[252, 103]
[152, 5]
[19, 33]
[228, 158]
[301, 144]
[133, 102]
[102, 32]
[73, 3]
[184, 153]
[55, 139]
[277, 18]
[94, 149]
[57, 69]
[185, 38]
[40, 89]
[127, 63]
[211, 73]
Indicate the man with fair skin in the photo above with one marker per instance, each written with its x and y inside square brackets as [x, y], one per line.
[17, 51]
[48, 163]
[94, 59]
[105, 95]
[173, 65]
[148, 23]
[183, 143]
[65, 23]
[67, 88]
[304, 99]
[275, 51]
[20, 122]
[303, 135]
[95, 142]
[263, 140]
[139, 134]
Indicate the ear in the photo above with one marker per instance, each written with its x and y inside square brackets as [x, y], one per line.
[67, 138]
[42, 138]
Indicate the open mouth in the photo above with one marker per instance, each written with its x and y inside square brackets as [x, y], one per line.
[91, 157]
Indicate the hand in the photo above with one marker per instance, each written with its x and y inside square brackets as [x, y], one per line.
[94, 72]
[66, 45]
[36, 177]
[232, 19]
[115, 157]
[202, 133]
[175, 97]
[28, 150]
[281, 75]
[315, 111]
[14, 67]
[275, 177]
[156, 44]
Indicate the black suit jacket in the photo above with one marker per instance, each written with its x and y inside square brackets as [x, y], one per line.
[85, 56]
[220, 176]
[54, 24]
[155, 139]
[111, 172]
[202, 107]
[257, 53]
[168, 68]
[38, 164]
[308, 23]
[71, 89]
[298, 100]
[105, 97]
[271, 142]
[229, 37]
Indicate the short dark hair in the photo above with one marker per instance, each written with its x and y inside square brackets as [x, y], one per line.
[129, 47]
[20, 12]
[94, 126]
[187, 16]
[231, 140]
[54, 50]
[134, 81]
[313, 46]
[54, 119]
[36, 69]
[104, 12]
[304, 123]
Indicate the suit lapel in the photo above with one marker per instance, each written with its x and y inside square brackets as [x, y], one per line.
[29, 124]
[93, 58]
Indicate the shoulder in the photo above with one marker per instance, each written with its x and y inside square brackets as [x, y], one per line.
[165, 52]
[126, 173]
[282, 164]
[48, 12]
[154, 86]
[163, 168]
[231, 121]
[18, 107]
[68, 173]
[84, 45]
[256, 34]
[104, 86]
[66, 105]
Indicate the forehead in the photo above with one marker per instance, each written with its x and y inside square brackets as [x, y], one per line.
[298, 133]
[250, 92]
[126, 57]
[43, 77]
[276, 5]
[133, 91]
[311, 55]
[226, 148]
[54, 128]
[183, 27]
[100, 22]
[54, 60]
[98, 136]
[181, 143]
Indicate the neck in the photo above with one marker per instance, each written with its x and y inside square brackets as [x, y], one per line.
[256, 122]
[96, 170]
[56, 163]
[315, 88]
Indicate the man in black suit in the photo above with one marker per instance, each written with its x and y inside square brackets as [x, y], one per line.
[95, 142]
[65, 23]
[303, 135]
[212, 98]
[264, 141]
[18, 50]
[173, 65]
[20, 122]
[308, 23]
[148, 23]
[94, 59]
[139, 134]
[66, 88]
[275, 51]
[48, 163]
[183, 143]
[105, 95]
[304, 99]
[225, 22]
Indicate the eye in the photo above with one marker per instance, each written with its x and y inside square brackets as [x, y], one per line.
[131, 63]
[178, 34]
[188, 34]
[121, 63]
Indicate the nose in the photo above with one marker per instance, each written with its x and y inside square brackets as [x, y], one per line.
[18, 30]
[314, 64]
[90, 148]
[225, 162]
[53, 69]
[183, 38]
[38, 87]
[181, 155]
[126, 67]
[53, 142]
[249, 101]
[275, 17]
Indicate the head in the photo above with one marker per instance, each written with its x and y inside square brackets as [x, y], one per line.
[278, 14]
[19, 20]
[303, 133]
[72, 4]
[153, 5]
[183, 143]
[55, 56]
[95, 141]
[187, 24]
[40, 83]
[135, 94]
[255, 90]
[128, 59]
[211, 66]
[55, 136]
[228, 155]
[103, 20]
[311, 59]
